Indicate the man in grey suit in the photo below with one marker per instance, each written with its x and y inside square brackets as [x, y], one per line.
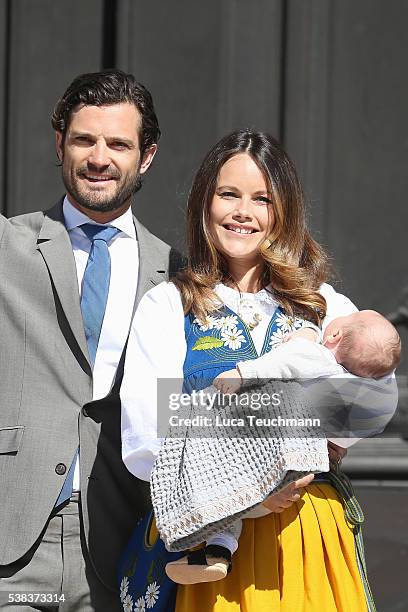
[70, 279]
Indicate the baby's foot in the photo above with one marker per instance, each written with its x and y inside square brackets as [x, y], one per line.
[204, 565]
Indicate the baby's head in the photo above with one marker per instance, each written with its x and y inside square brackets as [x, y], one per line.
[365, 343]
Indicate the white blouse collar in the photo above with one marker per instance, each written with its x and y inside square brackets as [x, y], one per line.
[229, 295]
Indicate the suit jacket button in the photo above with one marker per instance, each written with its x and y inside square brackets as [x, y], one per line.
[85, 412]
[60, 469]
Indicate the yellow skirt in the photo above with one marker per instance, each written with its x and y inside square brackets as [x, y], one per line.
[300, 560]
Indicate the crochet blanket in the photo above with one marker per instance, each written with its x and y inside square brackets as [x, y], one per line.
[205, 478]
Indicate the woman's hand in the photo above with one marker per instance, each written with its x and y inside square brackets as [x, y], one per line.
[228, 382]
[278, 502]
[306, 332]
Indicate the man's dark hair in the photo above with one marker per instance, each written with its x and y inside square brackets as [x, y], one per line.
[105, 88]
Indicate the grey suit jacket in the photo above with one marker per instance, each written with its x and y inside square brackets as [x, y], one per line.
[46, 393]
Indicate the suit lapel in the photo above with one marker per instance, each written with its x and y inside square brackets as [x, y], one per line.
[55, 246]
[150, 274]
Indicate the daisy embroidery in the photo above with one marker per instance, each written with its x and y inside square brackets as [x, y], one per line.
[152, 594]
[140, 605]
[226, 323]
[209, 323]
[128, 604]
[277, 338]
[232, 338]
[124, 585]
[286, 323]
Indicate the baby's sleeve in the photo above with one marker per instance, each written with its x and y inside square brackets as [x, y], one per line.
[298, 358]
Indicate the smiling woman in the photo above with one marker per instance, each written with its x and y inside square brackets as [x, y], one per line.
[241, 213]
[248, 246]
[247, 183]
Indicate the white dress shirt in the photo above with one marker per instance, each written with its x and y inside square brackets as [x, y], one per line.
[124, 254]
[157, 349]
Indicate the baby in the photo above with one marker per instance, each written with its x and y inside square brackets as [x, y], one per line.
[363, 343]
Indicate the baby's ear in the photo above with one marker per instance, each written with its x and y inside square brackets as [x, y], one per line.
[332, 340]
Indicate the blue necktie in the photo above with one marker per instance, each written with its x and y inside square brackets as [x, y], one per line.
[95, 284]
[95, 290]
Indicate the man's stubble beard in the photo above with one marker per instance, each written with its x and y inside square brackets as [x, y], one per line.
[94, 201]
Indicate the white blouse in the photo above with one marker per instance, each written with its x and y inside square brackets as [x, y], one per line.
[157, 350]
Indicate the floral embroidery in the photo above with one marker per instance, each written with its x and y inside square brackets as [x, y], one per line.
[124, 586]
[205, 343]
[285, 322]
[222, 323]
[128, 604]
[277, 338]
[152, 594]
[226, 323]
[299, 323]
[233, 338]
[140, 605]
[288, 324]
[209, 323]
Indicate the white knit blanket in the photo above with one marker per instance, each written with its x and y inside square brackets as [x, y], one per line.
[201, 485]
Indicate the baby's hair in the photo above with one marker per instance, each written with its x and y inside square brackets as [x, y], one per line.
[369, 354]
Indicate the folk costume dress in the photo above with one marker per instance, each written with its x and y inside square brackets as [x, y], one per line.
[304, 558]
[230, 457]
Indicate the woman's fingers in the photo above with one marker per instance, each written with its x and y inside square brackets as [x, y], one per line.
[228, 382]
[304, 481]
[278, 502]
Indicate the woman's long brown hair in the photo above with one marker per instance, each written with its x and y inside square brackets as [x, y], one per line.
[295, 264]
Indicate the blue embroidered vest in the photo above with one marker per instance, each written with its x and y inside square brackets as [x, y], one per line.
[225, 340]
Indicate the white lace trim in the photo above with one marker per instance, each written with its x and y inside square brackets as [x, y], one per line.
[231, 296]
[184, 527]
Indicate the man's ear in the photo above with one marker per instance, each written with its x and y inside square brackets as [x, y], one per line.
[58, 145]
[148, 158]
